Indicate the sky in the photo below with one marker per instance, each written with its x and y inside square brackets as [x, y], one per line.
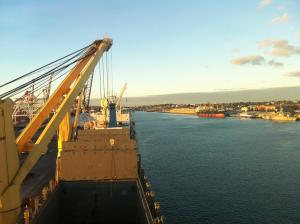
[160, 47]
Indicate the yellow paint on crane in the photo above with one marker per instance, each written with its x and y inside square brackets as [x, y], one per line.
[64, 132]
[73, 82]
[104, 105]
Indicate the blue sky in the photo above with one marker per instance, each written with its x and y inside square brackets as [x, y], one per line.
[161, 46]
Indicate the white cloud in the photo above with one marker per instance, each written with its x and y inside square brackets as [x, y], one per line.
[252, 60]
[293, 74]
[275, 64]
[280, 48]
[284, 18]
[264, 3]
[255, 60]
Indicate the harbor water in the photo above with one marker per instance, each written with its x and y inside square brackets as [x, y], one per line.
[221, 170]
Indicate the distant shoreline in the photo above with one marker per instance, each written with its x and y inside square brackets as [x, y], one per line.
[235, 96]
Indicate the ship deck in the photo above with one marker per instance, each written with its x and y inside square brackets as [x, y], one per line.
[91, 202]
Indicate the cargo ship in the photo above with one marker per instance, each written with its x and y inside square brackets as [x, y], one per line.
[246, 115]
[96, 174]
[100, 178]
[210, 112]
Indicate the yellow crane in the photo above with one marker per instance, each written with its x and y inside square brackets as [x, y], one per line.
[12, 173]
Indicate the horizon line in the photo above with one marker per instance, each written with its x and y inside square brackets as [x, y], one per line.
[213, 91]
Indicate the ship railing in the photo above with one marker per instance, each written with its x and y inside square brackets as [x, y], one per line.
[34, 203]
[149, 203]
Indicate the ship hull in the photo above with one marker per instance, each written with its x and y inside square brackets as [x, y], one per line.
[211, 115]
[247, 116]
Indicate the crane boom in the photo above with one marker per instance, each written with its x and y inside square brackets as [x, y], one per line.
[61, 101]
[86, 65]
[118, 103]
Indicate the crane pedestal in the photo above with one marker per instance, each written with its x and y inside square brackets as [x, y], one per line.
[10, 199]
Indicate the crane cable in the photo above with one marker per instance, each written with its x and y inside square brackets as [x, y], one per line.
[44, 66]
[41, 82]
[29, 83]
[46, 82]
[111, 74]
[44, 75]
[107, 74]
[58, 68]
[103, 75]
[99, 69]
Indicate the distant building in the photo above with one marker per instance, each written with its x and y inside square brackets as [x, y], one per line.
[266, 108]
[244, 109]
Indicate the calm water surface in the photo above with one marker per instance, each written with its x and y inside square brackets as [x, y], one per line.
[221, 171]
